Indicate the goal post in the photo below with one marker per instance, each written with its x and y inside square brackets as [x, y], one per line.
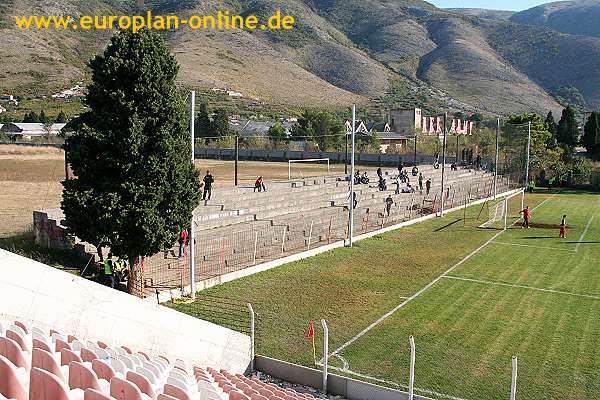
[502, 211]
[308, 160]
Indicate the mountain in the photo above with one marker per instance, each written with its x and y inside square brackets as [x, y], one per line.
[376, 53]
[580, 17]
[501, 15]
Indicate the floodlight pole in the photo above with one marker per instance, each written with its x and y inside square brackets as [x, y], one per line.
[192, 236]
[351, 197]
[443, 167]
[237, 157]
[325, 353]
[528, 149]
[346, 156]
[496, 161]
[415, 154]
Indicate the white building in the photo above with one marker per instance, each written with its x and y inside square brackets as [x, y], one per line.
[27, 130]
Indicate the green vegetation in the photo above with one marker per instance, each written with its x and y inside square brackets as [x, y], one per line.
[135, 185]
[526, 293]
[591, 135]
[321, 128]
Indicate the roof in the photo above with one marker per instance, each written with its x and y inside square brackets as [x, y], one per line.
[378, 127]
[30, 128]
[257, 128]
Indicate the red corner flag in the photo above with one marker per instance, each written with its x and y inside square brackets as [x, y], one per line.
[311, 330]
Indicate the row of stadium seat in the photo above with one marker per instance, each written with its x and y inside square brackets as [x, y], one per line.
[36, 365]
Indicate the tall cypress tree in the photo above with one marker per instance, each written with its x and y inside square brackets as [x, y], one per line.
[220, 123]
[591, 134]
[203, 126]
[550, 123]
[567, 132]
[135, 185]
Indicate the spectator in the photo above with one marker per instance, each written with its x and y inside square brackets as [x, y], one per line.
[421, 182]
[400, 167]
[478, 161]
[389, 202]
[260, 185]
[379, 173]
[183, 236]
[428, 186]
[354, 201]
[110, 278]
[415, 170]
[208, 181]
[398, 181]
[408, 189]
[453, 167]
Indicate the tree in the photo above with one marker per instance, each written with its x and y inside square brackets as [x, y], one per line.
[61, 118]
[48, 128]
[550, 123]
[320, 127]
[31, 117]
[591, 134]
[43, 119]
[375, 142]
[134, 184]
[203, 125]
[220, 123]
[567, 133]
[277, 133]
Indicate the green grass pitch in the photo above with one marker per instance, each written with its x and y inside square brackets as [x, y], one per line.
[522, 292]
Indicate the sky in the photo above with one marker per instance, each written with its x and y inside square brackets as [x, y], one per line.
[511, 5]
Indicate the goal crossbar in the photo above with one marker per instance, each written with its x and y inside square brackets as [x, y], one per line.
[500, 211]
[306, 160]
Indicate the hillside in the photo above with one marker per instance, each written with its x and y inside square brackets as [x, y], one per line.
[483, 13]
[377, 53]
[580, 17]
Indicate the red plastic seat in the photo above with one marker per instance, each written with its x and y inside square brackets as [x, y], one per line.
[40, 344]
[275, 397]
[121, 389]
[12, 351]
[146, 356]
[228, 388]
[103, 370]
[249, 391]
[66, 356]
[163, 396]
[141, 382]
[127, 349]
[266, 392]
[22, 326]
[17, 338]
[102, 345]
[61, 344]
[237, 396]
[258, 397]
[71, 339]
[87, 355]
[44, 360]
[93, 394]
[176, 392]
[10, 386]
[165, 358]
[45, 386]
[82, 377]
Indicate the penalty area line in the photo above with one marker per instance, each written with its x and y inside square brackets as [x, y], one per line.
[583, 233]
[535, 247]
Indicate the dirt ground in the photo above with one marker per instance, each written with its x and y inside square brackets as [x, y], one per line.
[30, 180]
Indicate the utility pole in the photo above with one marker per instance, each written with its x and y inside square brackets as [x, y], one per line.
[346, 158]
[496, 161]
[528, 150]
[237, 156]
[443, 168]
[351, 197]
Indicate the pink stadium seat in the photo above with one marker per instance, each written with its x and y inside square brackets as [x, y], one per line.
[249, 391]
[52, 331]
[10, 386]
[17, 338]
[22, 326]
[102, 345]
[141, 382]
[44, 360]
[163, 396]
[103, 370]
[180, 369]
[12, 351]
[66, 356]
[275, 398]
[92, 394]
[238, 396]
[121, 389]
[288, 397]
[71, 339]
[266, 392]
[258, 397]
[82, 377]
[88, 355]
[176, 392]
[45, 386]
[228, 388]
[61, 344]
[39, 344]
[144, 355]
[127, 349]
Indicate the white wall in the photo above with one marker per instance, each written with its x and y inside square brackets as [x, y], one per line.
[49, 298]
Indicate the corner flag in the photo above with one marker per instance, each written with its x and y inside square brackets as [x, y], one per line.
[311, 334]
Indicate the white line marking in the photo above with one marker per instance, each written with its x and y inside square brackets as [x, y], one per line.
[460, 278]
[530, 245]
[424, 288]
[583, 233]
[344, 362]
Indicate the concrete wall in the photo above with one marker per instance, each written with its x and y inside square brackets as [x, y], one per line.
[349, 388]
[46, 297]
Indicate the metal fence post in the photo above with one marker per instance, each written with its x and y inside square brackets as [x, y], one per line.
[283, 240]
[513, 383]
[411, 378]
[255, 245]
[192, 238]
[325, 353]
[310, 234]
[251, 312]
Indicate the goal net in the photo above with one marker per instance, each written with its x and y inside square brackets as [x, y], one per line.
[308, 167]
[503, 212]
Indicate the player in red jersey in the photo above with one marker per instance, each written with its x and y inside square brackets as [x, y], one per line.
[563, 227]
[526, 214]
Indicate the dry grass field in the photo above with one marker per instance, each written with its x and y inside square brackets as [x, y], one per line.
[30, 179]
